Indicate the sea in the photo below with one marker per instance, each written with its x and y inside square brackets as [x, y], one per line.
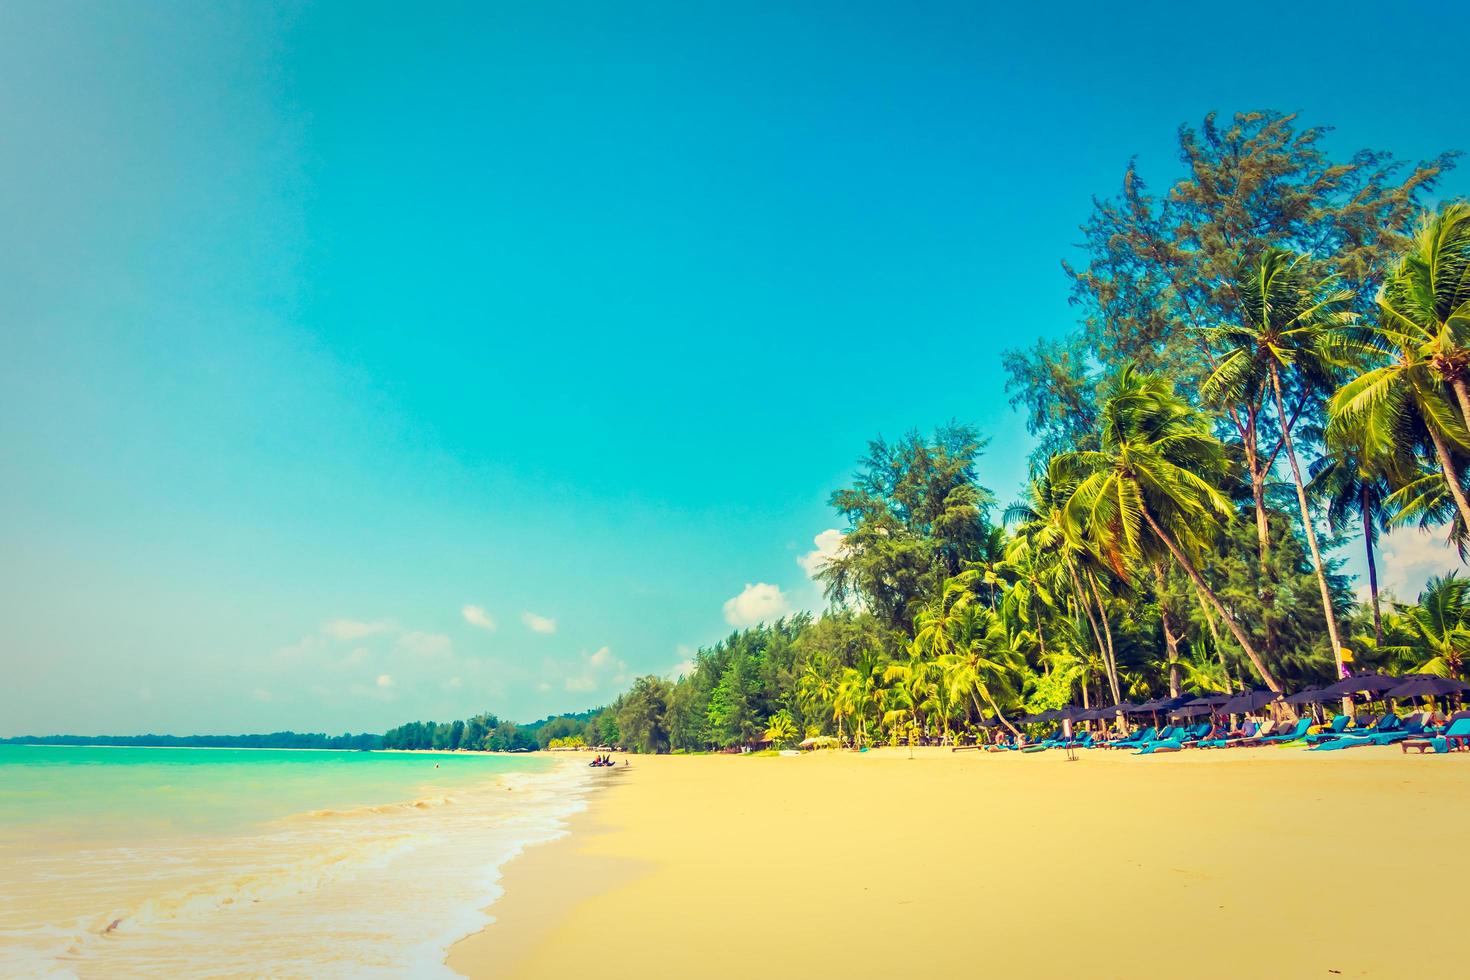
[171, 862]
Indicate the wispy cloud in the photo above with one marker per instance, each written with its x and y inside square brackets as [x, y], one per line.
[477, 616]
[385, 681]
[425, 644]
[538, 624]
[352, 629]
[598, 668]
[758, 603]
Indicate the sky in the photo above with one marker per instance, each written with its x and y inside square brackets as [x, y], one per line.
[372, 362]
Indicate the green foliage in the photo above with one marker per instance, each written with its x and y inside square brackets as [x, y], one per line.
[1233, 337]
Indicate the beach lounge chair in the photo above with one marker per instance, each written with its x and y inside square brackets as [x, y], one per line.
[1456, 737]
[1133, 741]
[1249, 730]
[1290, 735]
[1383, 733]
[1387, 723]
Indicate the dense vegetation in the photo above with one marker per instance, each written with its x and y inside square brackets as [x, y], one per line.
[1272, 356]
[488, 733]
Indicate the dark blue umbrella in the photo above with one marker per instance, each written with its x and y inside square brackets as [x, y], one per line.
[1244, 704]
[1366, 683]
[1311, 697]
[1427, 686]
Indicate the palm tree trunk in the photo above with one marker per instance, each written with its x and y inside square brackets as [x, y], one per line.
[1110, 659]
[1214, 600]
[1204, 607]
[1307, 525]
[1462, 395]
[1451, 475]
[1170, 640]
[1369, 533]
[1263, 529]
[996, 708]
[1092, 621]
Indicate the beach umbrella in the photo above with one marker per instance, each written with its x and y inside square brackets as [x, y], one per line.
[1311, 697]
[1244, 704]
[1192, 710]
[1427, 686]
[1368, 683]
[1051, 714]
[1213, 700]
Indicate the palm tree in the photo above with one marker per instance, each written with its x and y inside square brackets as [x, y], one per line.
[968, 641]
[817, 689]
[1422, 327]
[1152, 482]
[1353, 491]
[780, 728]
[1038, 520]
[857, 693]
[1289, 321]
[1425, 301]
[913, 683]
[1440, 622]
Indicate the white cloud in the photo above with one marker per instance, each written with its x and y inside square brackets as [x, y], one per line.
[424, 644]
[385, 680]
[477, 616]
[538, 624]
[261, 694]
[758, 603]
[1409, 557]
[454, 683]
[598, 668]
[351, 629]
[827, 544]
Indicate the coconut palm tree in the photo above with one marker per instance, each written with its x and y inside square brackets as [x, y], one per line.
[911, 689]
[1292, 329]
[981, 671]
[1152, 483]
[1423, 331]
[1038, 520]
[1425, 301]
[780, 728]
[1440, 623]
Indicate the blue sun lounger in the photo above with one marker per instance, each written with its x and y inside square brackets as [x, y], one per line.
[1456, 736]
[1296, 732]
[1389, 722]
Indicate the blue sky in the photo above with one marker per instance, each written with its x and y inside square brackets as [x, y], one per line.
[324, 324]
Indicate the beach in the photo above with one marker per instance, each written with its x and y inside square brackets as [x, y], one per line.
[1270, 862]
[161, 862]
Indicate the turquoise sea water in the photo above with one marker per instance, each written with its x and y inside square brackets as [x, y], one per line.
[126, 793]
[226, 862]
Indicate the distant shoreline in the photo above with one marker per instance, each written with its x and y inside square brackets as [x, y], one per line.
[260, 748]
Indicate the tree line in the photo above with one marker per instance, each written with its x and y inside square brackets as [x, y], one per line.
[488, 733]
[1271, 357]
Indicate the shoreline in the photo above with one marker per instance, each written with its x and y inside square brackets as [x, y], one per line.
[540, 886]
[1207, 864]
